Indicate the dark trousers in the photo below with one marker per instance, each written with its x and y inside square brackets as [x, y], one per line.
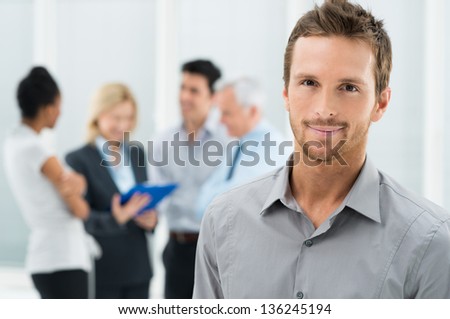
[137, 291]
[179, 261]
[67, 284]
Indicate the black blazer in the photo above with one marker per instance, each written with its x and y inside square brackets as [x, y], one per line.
[125, 257]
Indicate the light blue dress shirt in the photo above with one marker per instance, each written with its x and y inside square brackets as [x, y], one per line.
[180, 207]
[254, 159]
[121, 174]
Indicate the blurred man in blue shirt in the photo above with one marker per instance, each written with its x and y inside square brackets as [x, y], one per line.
[179, 152]
[259, 149]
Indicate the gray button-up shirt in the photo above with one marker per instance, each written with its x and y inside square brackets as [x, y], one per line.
[382, 242]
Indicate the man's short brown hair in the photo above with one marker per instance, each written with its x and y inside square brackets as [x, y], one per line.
[341, 18]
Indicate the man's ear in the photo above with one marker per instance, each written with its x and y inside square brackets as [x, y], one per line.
[381, 105]
[254, 111]
[286, 99]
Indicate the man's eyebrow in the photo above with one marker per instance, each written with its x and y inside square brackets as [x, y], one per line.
[355, 80]
[304, 76]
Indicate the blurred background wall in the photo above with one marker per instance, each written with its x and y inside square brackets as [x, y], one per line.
[142, 43]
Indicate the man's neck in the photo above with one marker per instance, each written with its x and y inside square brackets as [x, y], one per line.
[320, 189]
[192, 128]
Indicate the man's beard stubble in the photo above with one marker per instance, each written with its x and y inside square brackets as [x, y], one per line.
[323, 154]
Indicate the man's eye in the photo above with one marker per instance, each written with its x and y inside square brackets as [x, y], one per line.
[350, 88]
[309, 83]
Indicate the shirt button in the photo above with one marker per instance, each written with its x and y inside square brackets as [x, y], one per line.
[308, 243]
[300, 295]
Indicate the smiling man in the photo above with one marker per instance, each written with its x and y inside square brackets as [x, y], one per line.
[327, 226]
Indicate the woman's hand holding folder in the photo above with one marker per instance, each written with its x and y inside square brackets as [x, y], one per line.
[147, 220]
[123, 213]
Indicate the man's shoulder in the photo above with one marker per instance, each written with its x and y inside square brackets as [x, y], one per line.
[406, 202]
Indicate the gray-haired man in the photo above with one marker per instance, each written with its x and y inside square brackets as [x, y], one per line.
[259, 147]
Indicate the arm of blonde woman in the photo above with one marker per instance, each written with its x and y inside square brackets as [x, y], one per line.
[147, 220]
[70, 186]
[123, 213]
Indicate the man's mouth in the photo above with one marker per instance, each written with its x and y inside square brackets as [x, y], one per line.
[325, 130]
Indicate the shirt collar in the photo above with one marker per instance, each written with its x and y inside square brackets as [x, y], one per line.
[208, 128]
[205, 131]
[281, 190]
[100, 142]
[364, 196]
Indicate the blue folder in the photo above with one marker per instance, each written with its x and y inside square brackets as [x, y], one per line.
[156, 192]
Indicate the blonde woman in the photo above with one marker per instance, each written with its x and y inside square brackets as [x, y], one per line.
[110, 167]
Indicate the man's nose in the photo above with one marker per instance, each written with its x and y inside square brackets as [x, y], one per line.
[184, 95]
[325, 104]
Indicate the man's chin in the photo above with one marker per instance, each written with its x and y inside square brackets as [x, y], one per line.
[316, 158]
[232, 134]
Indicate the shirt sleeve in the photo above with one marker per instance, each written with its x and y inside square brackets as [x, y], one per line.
[207, 278]
[433, 275]
[39, 154]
